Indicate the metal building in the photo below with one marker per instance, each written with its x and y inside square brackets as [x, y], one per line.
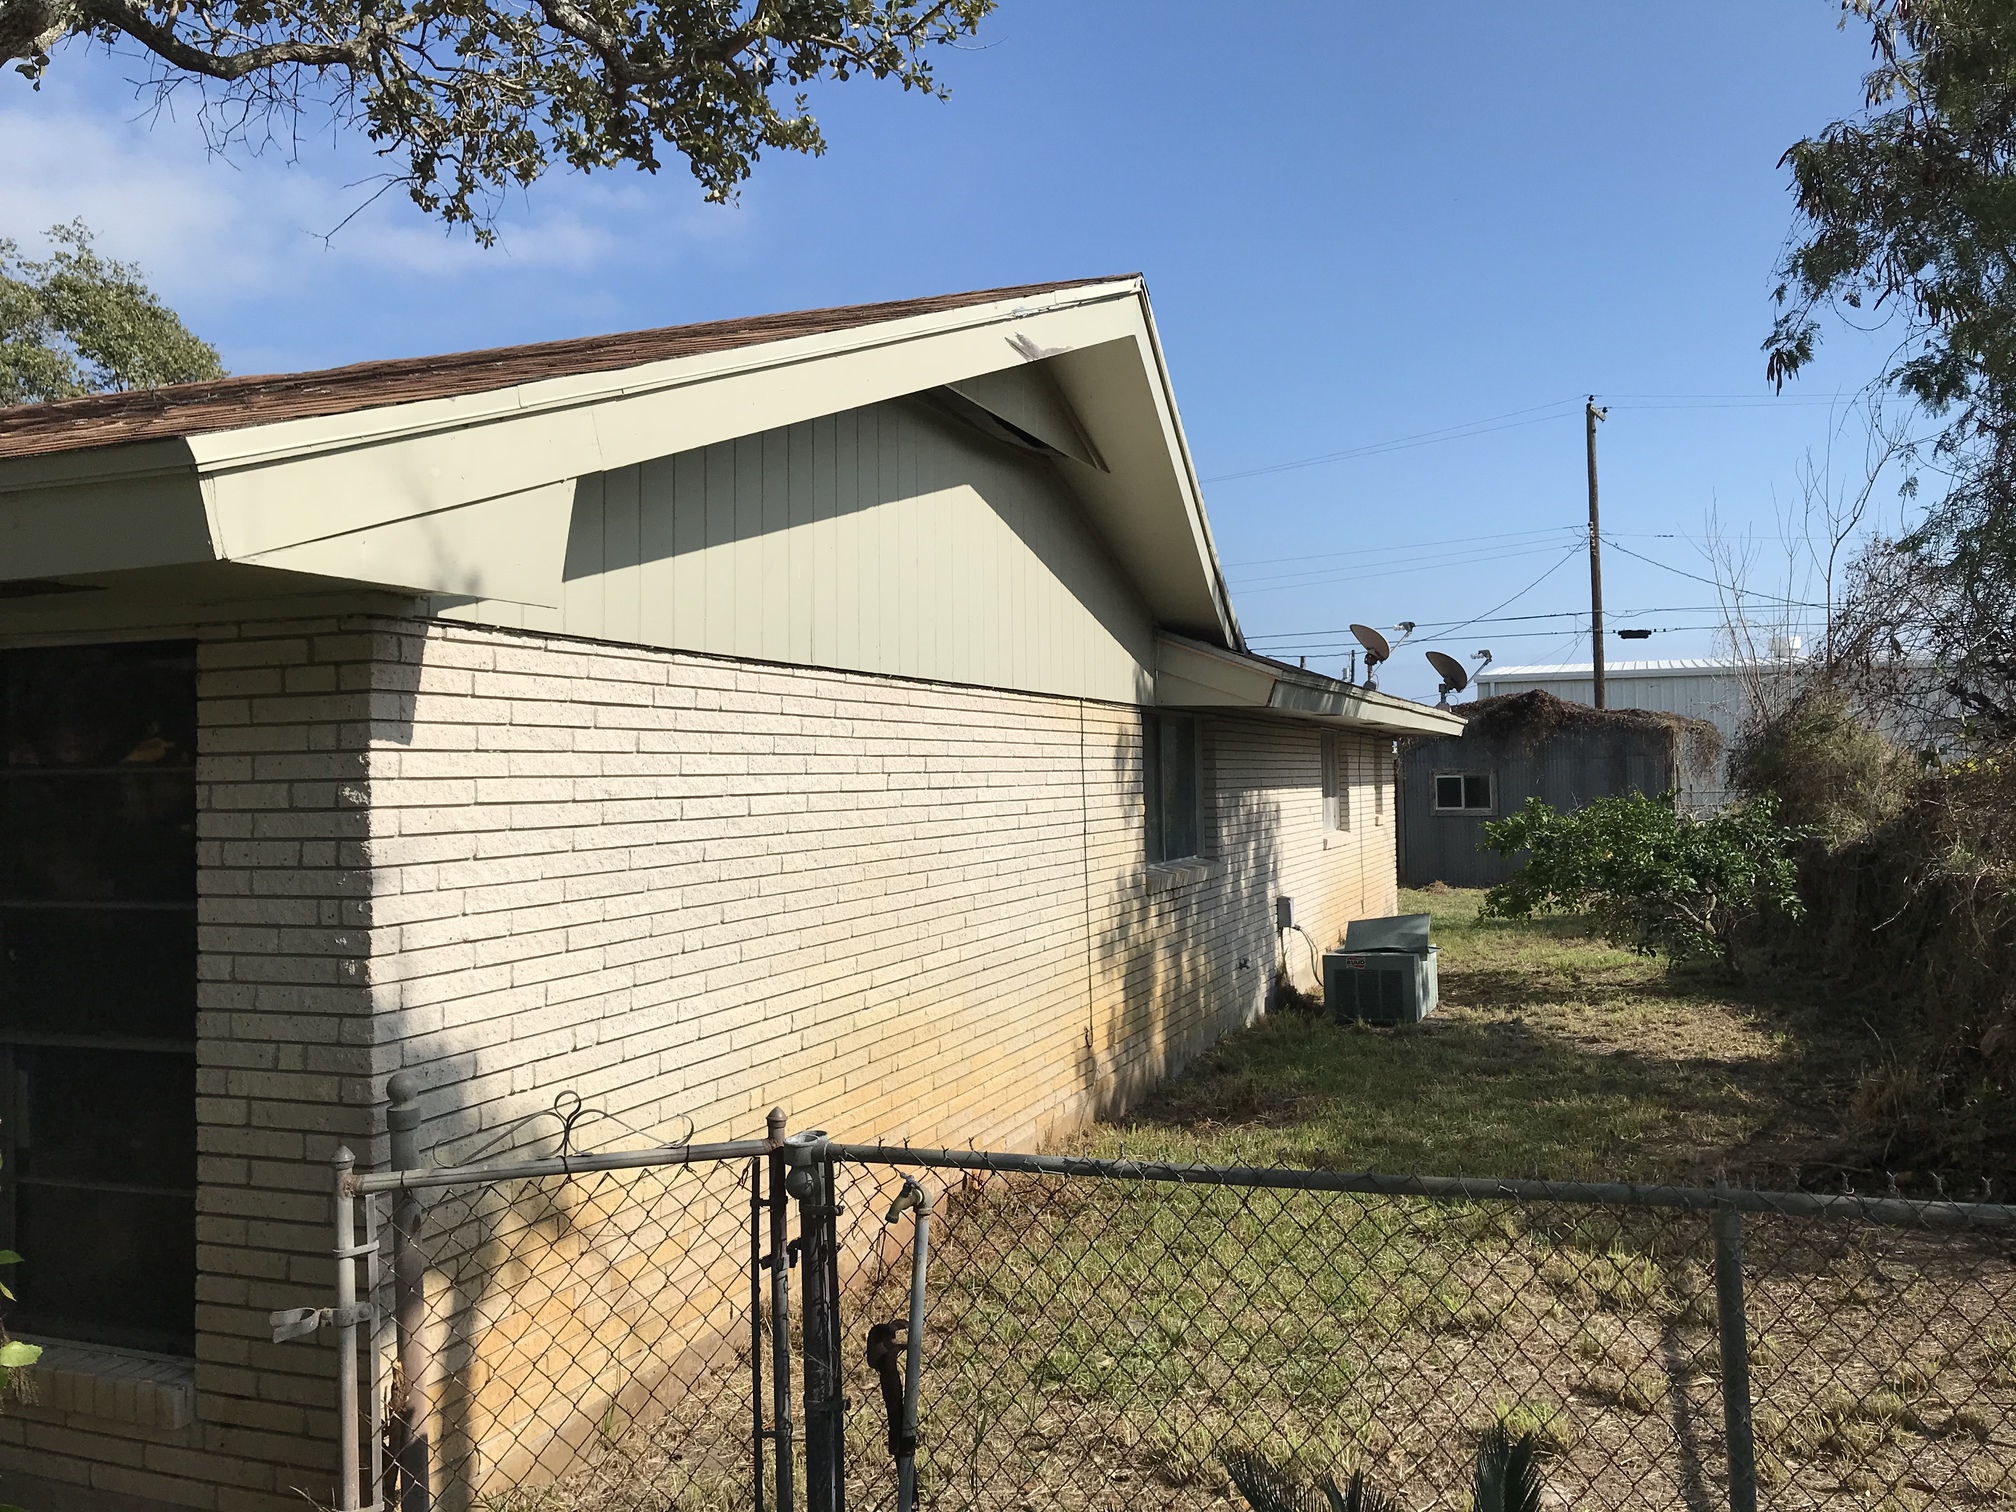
[1534, 745]
[1715, 689]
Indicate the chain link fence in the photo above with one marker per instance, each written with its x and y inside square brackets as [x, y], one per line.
[689, 1328]
[1100, 1334]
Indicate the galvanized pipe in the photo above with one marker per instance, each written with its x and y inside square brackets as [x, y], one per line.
[348, 1498]
[415, 1179]
[409, 1297]
[1890, 1210]
[1738, 1429]
[913, 1365]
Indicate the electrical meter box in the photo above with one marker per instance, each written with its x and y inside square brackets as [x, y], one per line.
[1385, 974]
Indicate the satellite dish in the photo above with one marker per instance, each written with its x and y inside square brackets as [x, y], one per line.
[1376, 650]
[1455, 678]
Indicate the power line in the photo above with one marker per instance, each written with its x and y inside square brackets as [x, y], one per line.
[1489, 425]
[1425, 564]
[1402, 443]
[1508, 535]
[1507, 620]
[1465, 624]
[1724, 587]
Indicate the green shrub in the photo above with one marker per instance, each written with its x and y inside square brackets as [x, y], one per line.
[1830, 774]
[1651, 879]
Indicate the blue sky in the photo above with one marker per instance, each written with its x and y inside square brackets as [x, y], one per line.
[1437, 224]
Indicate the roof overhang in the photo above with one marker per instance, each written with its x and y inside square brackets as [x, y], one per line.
[1190, 674]
[471, 494]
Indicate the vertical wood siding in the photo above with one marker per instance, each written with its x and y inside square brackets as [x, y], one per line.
[889, 539]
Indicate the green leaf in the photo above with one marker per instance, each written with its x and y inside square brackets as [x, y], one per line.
[14, 1355]
[9, 1257]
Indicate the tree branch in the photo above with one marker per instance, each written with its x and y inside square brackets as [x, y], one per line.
[165, 44]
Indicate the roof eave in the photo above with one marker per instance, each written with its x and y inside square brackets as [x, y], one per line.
[1193, 675]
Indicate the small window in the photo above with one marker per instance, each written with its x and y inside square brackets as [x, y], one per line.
[1463, 793]
[1170, 763]
[1336, 785]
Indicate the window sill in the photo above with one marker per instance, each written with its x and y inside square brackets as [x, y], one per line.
[115, 1385]
[1173, 876]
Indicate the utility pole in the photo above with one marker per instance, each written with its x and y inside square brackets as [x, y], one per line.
[1592, 415]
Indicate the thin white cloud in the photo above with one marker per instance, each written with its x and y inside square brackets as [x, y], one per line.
[216, 235]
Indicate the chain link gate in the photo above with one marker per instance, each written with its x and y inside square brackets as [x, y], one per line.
[615, 1332]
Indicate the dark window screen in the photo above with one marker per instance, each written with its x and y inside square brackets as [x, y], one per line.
[1463, 792]
[98, 991]
[1170, 766]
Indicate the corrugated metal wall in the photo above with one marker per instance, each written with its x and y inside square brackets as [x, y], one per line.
[889, 539]
[1565, 770]
[1716, 696]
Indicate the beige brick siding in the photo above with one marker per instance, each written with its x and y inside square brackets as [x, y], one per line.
[690, 887]
[684, 887]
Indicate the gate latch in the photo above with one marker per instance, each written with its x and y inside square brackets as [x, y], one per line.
[302, 1322]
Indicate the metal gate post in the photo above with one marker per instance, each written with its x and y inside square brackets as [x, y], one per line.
[780, 1315]
[811, 1182]
[1737, 1427]
[409, 1301]
[347, 1497]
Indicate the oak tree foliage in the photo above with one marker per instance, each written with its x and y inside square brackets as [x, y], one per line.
[75, 322]
[1907, 216]
[467, 99]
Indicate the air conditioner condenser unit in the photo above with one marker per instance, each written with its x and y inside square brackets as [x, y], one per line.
[1385, 974]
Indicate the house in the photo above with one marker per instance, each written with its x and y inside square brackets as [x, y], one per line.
[841, 709]
[1533, 745]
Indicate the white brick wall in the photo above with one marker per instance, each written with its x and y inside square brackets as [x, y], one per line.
[682, 887]
[694, 887]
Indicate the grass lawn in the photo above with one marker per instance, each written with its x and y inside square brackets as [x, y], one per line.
[1552, 1054]
[1102, 1343]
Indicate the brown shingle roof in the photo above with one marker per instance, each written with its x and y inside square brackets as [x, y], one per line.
[188, 409]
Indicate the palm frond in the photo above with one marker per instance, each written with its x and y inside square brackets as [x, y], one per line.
[1356, 1496]
[1508, 1472]
[1266, 1487]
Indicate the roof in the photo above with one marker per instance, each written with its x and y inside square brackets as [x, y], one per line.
[1681, 667]
[453, 475]
[192, 409]
[1536, 714]
[1193, 675]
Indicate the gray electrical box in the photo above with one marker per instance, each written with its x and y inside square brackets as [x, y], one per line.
[1385, 974]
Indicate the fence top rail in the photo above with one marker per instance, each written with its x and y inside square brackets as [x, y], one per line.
[558, 1165]
[1899, 1211]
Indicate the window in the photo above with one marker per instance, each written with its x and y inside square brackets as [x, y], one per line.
[1463, 792]
[1336, 785]
[1170, 762]
[98, 991]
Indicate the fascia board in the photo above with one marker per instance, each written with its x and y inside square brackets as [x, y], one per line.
[217, 450]
[1192, 675]
[1385, 715]
[1179, 445]
[145, 459]
[145, 518]
[464, 458]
